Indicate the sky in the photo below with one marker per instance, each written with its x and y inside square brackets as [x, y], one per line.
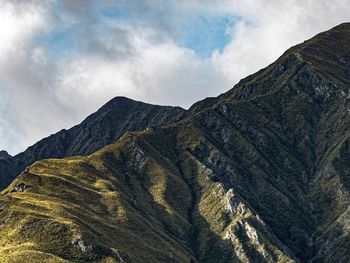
[60, 60]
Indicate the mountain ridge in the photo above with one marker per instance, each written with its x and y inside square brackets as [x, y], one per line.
[4, 155]
[258, 174]
[99, 129]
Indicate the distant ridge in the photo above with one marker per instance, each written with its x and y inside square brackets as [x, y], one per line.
[101, 128]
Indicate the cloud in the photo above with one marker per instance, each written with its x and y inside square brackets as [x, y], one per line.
[270, 27]
[61, 60]
[162, 73]
[18, 24]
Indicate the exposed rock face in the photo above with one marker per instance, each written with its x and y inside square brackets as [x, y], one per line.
[82, 245]
[104, 127]
[258, 174]
[234, 204]
[21, 188]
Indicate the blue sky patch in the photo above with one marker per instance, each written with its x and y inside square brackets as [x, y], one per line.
[116, 13]
[206, 34]
[60, 42]
[202, 33]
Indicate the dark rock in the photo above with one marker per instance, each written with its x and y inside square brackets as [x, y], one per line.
[4, 155]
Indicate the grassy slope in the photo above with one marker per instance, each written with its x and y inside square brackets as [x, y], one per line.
[142, 199]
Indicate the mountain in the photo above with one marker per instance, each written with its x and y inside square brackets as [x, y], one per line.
[4, 155]
[98, 130]
[259, 174]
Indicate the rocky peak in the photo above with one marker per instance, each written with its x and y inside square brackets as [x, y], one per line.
[319, 66]
[4, 155]
[101, 128]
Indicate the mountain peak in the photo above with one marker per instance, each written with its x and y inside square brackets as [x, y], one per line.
[4, 155]
[122, 99]
[320, 63]
[329, 53]
[342, 27]
[99, 129]
[118, 100]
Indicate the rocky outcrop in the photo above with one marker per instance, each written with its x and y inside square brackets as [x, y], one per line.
[82, 245]
[21, 188]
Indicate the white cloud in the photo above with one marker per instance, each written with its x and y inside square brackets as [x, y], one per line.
[270, 27]
[18, 24]
[156, 73]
